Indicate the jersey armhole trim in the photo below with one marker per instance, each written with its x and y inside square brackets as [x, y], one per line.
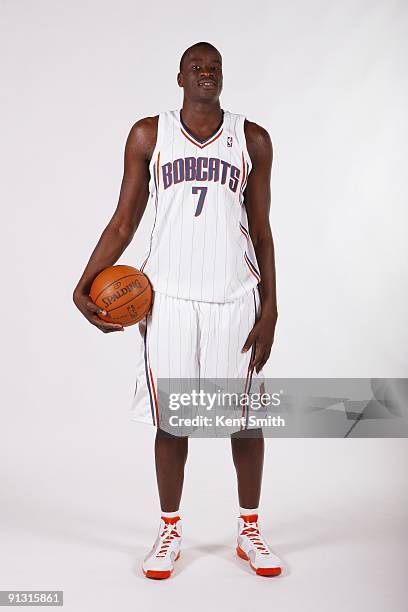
[242, 138]
[154, 160]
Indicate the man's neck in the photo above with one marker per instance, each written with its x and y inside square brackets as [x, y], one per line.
[201, 119]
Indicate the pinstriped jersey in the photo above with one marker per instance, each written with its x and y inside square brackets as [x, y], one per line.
[200, 247]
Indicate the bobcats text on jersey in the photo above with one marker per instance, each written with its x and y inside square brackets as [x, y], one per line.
[200, 169]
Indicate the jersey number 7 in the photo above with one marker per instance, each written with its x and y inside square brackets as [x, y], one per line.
[203, 192]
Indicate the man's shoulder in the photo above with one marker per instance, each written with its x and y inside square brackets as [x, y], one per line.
[258, 141]
[143, 135]
[255, 133]
[145, 127]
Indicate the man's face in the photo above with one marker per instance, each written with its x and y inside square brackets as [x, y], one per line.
[201, 74]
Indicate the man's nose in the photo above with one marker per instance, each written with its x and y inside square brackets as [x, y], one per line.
[207, 70]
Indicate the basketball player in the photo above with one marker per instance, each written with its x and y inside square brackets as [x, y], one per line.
[211, 263]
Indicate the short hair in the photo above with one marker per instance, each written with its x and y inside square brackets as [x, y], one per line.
[199, 44]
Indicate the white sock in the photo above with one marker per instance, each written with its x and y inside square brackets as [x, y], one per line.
[247, 511]
[170, 514]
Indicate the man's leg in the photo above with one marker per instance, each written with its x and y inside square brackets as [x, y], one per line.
[168, 352]
[171, 456]
[248, 456]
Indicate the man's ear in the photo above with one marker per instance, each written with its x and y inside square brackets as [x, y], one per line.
[180, 79]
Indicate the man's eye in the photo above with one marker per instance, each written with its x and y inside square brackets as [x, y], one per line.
[196, 67]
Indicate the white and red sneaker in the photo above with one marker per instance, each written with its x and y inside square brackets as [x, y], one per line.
[159, 563]
[253, 548]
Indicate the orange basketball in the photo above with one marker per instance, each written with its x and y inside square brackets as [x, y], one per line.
[124, 292]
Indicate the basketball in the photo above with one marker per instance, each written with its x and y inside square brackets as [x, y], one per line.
[124, 293]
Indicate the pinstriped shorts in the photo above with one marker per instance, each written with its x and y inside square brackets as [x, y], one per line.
[186, 339]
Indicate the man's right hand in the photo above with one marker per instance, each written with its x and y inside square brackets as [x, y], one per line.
[117, 235]
[90, 311]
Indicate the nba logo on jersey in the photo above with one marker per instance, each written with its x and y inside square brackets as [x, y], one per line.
[229, 141]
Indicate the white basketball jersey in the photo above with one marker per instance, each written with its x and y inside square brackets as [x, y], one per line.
[200, 247]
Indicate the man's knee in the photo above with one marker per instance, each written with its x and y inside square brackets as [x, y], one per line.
[161, 434]
[248, 433]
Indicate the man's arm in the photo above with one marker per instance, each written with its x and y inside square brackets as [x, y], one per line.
[257, 202]
[118, 234]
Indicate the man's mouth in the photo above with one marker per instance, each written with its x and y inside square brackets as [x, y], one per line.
[206, 83]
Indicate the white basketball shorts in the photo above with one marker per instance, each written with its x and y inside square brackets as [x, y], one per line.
[186, 339]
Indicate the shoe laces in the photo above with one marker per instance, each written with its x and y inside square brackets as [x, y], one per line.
[251, 531]
[168, 534]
